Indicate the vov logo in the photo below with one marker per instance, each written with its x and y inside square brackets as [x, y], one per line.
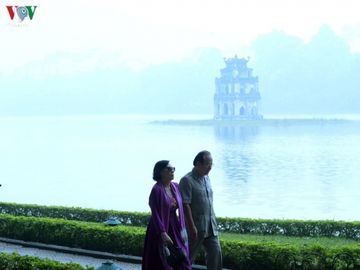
[21, 12]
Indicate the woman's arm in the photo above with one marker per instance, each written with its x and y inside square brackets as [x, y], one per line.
[158, 222]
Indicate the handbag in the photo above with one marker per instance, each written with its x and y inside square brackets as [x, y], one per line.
[175, 256]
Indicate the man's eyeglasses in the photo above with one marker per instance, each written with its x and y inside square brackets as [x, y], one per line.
[170, 169]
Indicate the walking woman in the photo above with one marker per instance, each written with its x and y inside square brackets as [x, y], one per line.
[167, 223]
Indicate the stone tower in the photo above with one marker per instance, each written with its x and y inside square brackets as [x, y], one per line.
[237, 94]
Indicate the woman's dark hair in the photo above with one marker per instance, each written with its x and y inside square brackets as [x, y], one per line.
[158, 168]
[200, 157]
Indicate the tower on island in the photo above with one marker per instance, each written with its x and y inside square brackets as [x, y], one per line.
[237, 94]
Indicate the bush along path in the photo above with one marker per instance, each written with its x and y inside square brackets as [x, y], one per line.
[240, 250]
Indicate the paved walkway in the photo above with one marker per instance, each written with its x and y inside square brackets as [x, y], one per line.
[63, 257]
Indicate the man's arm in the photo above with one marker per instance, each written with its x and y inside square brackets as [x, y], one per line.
[190, 222]
[186, 194]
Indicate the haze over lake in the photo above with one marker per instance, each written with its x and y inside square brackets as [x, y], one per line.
[300, 170]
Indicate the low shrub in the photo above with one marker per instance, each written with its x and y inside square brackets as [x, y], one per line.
[74, 213]
[308, 228]
[77, 234]
[247, 255]
[16, 262]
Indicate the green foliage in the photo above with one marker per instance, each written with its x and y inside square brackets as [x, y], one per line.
[74, 213]
[303, 228]
[292, 240]
[272, 256]
[78, 234]
[238, 254]
[309, 228]
[16, 262]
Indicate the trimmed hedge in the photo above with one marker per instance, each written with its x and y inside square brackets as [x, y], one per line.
[129, 240]
[78, 234]
[261, 256]
[309, 228]
[16, 262]
[74, 213]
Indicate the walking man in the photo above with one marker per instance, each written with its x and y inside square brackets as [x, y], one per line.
[197, 198]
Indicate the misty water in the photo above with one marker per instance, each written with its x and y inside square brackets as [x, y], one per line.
[296, 169]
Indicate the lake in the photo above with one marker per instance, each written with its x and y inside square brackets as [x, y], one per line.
[282, 169]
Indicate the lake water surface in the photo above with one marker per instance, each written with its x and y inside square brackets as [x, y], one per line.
[298, 170]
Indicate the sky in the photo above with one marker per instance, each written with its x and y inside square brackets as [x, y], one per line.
[139, 33]
[112, 57]
[106, 56]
